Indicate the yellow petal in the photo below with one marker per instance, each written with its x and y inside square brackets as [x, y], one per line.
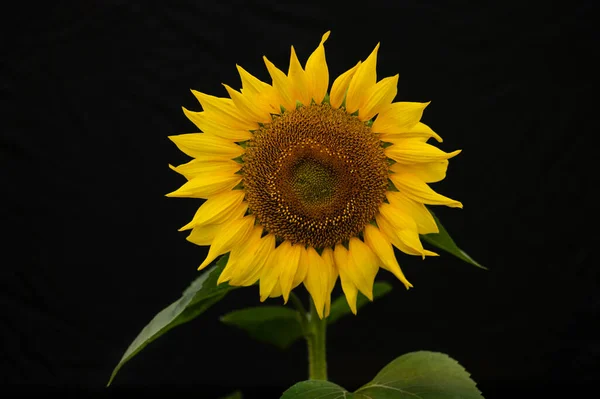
[251, 84]
[429, 172]
[316, 281]
[415, 189]
[290, 256]
[317, 73]
[362, 81]
[204, 235]
[363, 265]
[239, 256]
[340, 87]
[404, 228]
[232, 234]
[298, 81]
[199, 144]
[302, 267]
[399, 116]
[384, 251]
[276, 292]
[340, 256]
[248, 273]
[197, 167]
[282, 85]
[247, 107]
[398, 237]
[224, 111]
[420, 131]
[421, 215]
[328, 257]
[413, 151]
[203, 121]
[269, 276]
[206, 185]
[226, 273]
[379, 97]
[216, 209]
[259, 92]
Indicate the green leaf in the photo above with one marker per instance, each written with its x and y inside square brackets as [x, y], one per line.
[340, 308]
[316, 389]
[422, 375]
[443, 241]
[233, 395]
[275, 325]
[199, 296]
[416, 375]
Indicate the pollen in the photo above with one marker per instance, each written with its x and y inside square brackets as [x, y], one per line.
[315, 175]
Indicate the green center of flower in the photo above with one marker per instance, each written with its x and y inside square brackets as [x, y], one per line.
[315, 175]
[312, 181]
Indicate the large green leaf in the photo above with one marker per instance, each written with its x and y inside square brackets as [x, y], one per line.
[316, 389]
[416, 375]
[199, 296]
[275, 325]
[422, 375]
[340, 308]
[442, 240]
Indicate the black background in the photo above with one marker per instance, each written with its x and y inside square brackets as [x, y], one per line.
[91, 90]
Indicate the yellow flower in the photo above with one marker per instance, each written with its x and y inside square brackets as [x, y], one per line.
[302, 185]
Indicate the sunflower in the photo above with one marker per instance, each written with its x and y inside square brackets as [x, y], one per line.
[303, 185]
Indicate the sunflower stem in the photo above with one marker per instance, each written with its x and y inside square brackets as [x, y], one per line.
[315, 342]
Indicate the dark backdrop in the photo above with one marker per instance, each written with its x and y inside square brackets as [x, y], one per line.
[91, 90]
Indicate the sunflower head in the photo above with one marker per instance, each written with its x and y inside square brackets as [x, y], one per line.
[315, 176]
[303, 185]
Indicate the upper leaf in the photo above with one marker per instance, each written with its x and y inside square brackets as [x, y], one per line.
[275, 325]
[199, 296]
[422, 375]
[443, 241]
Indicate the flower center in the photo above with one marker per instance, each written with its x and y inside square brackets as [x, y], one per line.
[315, 175]
[312, 181]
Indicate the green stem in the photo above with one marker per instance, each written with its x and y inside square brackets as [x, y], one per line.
[315, 341]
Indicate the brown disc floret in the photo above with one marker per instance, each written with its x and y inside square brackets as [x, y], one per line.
[315, 175]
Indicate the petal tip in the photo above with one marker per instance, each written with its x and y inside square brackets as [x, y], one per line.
[223, 278]
[202, 266]
[320, 312]
[454, 153]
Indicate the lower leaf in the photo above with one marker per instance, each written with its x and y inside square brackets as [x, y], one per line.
[416, 375]
[424, 375]
[316, 389]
